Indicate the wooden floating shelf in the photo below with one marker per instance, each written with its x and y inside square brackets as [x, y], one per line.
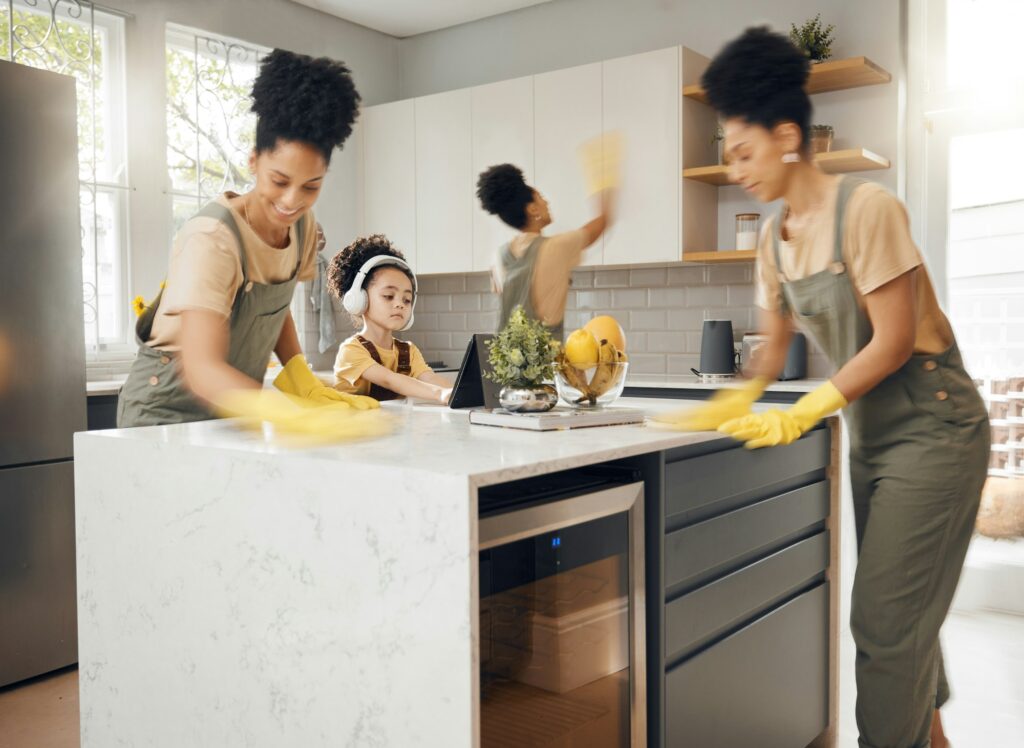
[834, 75]
[833, 162]
[722, 255]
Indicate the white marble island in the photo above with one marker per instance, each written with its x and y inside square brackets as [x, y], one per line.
[233, 592]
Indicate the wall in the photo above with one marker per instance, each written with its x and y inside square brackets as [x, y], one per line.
[372, 56]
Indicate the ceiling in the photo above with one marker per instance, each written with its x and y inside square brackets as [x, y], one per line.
[410, 17]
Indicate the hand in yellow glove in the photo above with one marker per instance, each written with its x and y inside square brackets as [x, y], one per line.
[602, 158]
[297, 379]
[776, 427]
[301, 419]
[724, 405]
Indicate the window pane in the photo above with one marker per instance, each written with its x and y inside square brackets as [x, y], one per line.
[982, 41]
[210, 130]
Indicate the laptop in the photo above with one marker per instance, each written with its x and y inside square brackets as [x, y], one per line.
[472, 389]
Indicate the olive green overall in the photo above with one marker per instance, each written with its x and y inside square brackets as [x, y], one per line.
[517, 286]
[919, 445]
[155, 392]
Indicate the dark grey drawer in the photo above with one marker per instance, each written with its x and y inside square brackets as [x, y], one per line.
[699, 553]
[700, 487]
[766, 685]
[695, 619]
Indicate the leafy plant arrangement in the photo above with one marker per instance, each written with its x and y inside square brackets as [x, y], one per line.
[813, 39]
[522, 354]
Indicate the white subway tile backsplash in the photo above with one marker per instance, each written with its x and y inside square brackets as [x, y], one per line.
[650, 319]
[647, 363]
[479, 282]
[424, 321]
[490, 303]
[667, 297]
[705, 296]
[687, 276]
[611, 278]
[482, 322]
[647, 277]
[451, 283]
[426, 284]
[436, 340]
[682, 364]
[597, 300]
[685, 319]
[466, 302]
[741, 295]
[460, 339]
[435, 302]
[629, 298]
[666, 342]
[722, 274]
[583, 279]
[452, 322]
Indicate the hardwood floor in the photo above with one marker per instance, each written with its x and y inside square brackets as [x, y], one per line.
[985, 660]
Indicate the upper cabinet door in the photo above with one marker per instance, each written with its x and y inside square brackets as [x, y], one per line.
[567, 109]
[389, 176]
[642, 98]
[444, 183]
[502, 133]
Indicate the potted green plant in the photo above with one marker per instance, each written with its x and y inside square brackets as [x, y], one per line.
[522, 358]
[814, 39]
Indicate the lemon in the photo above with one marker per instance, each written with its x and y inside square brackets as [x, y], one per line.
[581, 349]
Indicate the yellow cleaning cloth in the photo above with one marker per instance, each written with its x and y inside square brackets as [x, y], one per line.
[601, 158]
[301, 421]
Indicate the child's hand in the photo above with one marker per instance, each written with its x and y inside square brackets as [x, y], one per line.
[445, 396]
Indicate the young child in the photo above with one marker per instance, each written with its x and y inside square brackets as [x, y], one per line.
[378, 289]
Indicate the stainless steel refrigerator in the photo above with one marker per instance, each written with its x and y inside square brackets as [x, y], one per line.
[42, 370]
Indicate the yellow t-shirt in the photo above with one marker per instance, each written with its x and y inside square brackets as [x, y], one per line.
[353, 359]
[877, 248]
[205, 271]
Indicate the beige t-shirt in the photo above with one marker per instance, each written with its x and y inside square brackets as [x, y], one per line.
[353, 360]
[205, 271]
[877, 248]
[558, 256]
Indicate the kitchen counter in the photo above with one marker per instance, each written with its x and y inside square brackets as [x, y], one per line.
[234, 591]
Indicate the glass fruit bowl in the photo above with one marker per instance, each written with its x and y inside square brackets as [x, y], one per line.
[593, 387]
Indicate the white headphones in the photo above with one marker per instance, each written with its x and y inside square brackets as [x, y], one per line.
[355, 299]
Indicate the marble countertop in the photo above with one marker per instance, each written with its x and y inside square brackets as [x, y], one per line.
[432, 439]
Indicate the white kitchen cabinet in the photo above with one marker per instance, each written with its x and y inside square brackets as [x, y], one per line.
[642, 99]
[502, 132]
[444, 183]
[389, 175]
[567, 112]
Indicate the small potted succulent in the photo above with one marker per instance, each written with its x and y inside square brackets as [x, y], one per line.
[522, 358]
[814, 39]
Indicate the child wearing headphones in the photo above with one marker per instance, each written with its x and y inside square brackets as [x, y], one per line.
[378, 288]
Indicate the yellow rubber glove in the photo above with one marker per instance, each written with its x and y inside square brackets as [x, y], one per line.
[602, 158]
[300, 419]
[776, 427]
[724, 405]
[297, 379]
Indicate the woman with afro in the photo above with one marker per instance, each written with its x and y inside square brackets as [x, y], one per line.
[839, 262]
[234, 265]
[378, 288]
[533, 270]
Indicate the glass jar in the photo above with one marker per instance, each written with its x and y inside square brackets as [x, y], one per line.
[746, 230]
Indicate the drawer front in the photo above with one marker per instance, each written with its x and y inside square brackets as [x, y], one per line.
[766, 685]
[704, 486]
[697, 554]
[704, 614]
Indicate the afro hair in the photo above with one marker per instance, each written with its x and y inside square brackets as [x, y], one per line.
[760, 77]
[503, 192]
[344, 267]
[305, 99]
